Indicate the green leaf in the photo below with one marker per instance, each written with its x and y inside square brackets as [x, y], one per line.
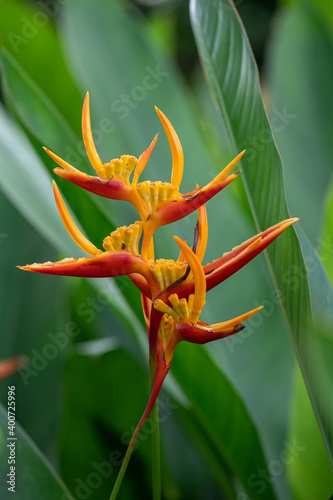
[34, 476]
[106, 418]
[28, 34]
[37, 112]
[28, 186]
[326, 243]
[300, 90]
[46, 123]
[307, 458]
[27, 333]
[319, 5]
[297, 76]
[233, 77]
[320, 287]
[273, 353]
[220, 414]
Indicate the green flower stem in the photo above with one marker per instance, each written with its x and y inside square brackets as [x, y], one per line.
[156, 467]
[128, 454]
[151, 403]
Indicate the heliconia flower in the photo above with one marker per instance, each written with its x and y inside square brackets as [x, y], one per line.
[158, 203]
[173, 291]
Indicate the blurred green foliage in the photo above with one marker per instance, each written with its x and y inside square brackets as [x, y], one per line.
[229, 412]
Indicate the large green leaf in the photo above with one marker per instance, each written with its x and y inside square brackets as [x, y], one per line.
[299, 75]
[320, 5]
[326, 247]
[27, 184]
[27, 317]
[267, 398]
[106, 418]
[299, 72]
[307, 457]
[34, 476]
[220, 414]
[29, 35]
[233, 77]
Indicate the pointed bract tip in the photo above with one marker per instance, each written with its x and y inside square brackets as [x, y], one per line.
[222, 175]
[179, 241]
[153, 142]
[88, 139]
[62, 163]
[288, 222]
[175, 146]
[143, 159]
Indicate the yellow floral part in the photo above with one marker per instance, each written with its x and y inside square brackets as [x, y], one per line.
[124, 238]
